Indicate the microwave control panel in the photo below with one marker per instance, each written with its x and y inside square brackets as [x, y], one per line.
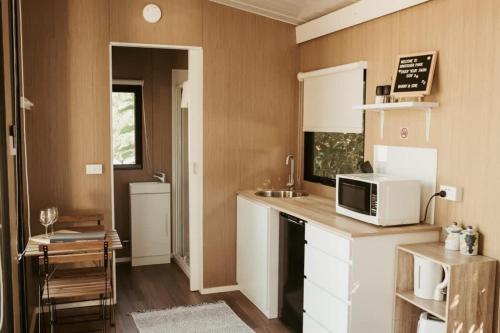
[373, 200]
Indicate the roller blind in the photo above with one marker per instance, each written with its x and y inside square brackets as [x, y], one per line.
[329, 95]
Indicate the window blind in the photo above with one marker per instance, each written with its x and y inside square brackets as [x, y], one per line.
[329, 95]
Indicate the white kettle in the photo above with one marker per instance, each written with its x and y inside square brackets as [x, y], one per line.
[428, 279]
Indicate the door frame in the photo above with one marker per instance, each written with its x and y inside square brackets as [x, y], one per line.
[195, 142]
[179, 76]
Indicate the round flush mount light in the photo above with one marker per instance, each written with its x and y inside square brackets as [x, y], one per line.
[151, 13]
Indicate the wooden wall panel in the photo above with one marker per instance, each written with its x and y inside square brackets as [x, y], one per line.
[250, 103]
[67, 78]
[464, 128]
[10, 181]
[66, 71]
[154, 67]
[249, 122]
[181, 22]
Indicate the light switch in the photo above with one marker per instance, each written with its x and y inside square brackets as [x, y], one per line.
[94, 169]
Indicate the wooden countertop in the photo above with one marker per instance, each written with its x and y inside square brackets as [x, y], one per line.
[436, 252]
[321, 211]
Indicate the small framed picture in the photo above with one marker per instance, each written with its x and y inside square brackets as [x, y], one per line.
[413, 75]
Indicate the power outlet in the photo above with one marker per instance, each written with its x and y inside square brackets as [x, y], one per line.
[452, 193]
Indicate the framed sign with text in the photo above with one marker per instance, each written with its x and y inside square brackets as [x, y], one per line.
[414, 74]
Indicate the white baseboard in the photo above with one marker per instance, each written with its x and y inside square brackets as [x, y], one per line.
[123, 259]
[215, 290]
[152, 260]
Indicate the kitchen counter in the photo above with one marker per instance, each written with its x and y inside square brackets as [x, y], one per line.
[321, 211]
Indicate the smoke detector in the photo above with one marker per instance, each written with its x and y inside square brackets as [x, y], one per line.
[151, 13]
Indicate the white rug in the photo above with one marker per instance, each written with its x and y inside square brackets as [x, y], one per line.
[213, 317]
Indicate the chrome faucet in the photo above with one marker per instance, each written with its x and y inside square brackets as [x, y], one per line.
[160, 176]
[290, 160]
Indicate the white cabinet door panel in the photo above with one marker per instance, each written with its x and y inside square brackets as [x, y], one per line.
[327, 272]
[257, 255]
[150, 227]
[328, 242]
[311, 326]
[327, 310]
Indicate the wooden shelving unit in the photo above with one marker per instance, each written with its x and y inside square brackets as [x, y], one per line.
[470, 298]
[382, 107]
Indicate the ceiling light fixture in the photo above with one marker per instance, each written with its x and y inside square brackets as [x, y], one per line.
[151, 13]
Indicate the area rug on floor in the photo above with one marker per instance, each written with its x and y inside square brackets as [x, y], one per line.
[213, 317]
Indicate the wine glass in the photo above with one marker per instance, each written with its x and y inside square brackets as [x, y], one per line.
[53, 214]
[44, 220]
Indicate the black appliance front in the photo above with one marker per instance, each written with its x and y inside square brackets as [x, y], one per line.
[355, 195]
[291, 272]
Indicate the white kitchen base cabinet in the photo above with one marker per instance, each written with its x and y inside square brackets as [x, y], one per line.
[349, 266]
[257, 255]
[349, 283]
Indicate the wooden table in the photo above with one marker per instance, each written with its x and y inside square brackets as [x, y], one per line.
[32, 248]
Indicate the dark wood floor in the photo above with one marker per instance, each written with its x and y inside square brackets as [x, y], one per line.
[166, 286]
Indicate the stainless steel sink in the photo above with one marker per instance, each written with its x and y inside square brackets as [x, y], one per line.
[281, 194]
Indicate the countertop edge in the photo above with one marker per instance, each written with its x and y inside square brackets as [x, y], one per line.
[383, 231]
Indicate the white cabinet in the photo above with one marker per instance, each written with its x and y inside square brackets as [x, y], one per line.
[326, 309]
[349, 283]
[329, 273]
[150, 218]
[257, 254]
[310, 325]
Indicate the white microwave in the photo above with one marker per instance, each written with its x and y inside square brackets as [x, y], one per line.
[379, 199]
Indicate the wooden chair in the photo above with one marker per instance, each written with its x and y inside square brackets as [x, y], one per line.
[81, 222]
[90, 281]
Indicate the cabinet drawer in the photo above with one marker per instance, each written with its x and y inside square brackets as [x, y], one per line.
[328, 242]
[329, 273]
[311, 326]
[327, 310]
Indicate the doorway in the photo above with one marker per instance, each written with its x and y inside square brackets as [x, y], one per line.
[185, 170]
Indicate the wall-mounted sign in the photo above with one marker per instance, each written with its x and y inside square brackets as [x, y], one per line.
[413, 75]
[403, 133]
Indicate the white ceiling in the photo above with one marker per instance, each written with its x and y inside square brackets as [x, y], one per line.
[290, 11]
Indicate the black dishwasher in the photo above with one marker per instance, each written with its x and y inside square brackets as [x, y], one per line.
[291, 271]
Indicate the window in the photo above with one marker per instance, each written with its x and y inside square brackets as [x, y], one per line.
[333, 131]
[329, 154]
[127, 126]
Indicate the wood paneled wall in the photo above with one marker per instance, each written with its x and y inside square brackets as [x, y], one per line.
[250, 119]
[9, 166]
[154, 67]
[465, 127]
[181, 22]
[250, 104]
[66, 76]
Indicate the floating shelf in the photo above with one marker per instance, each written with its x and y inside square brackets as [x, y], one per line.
[382, 107]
